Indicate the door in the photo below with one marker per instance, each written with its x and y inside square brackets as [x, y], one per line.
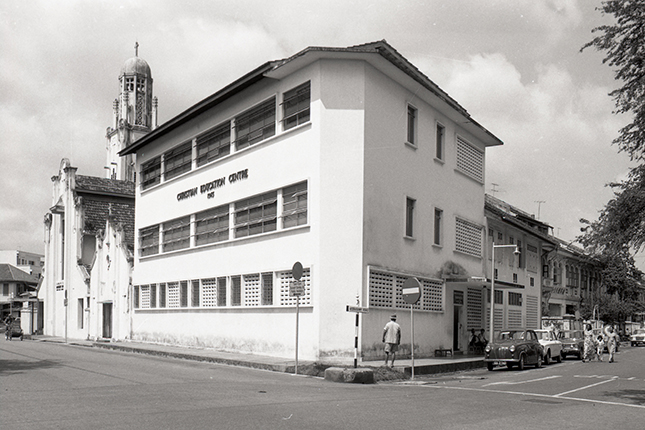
[455, 328]
[107, 320]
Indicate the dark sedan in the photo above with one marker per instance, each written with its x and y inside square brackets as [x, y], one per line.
[518, 346]
[573, 343]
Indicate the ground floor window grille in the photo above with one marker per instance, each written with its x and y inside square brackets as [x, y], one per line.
[153, 295]
[145, 296]
[183, 294]
[284, 278]
[252, 290]
[498, 318]
[236, 291]
[221, 291]
[515, 318]
[162, 295]
[386, 291]
[135, 297]
[209, 292]
[514, 299]
[267, 288]
[194, 295]
[474, 309]
[532, 312]
[173, 294]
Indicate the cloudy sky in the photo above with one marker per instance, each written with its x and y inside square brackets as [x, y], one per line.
[514, 65]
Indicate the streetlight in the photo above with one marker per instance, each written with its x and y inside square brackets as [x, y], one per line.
[492, 283]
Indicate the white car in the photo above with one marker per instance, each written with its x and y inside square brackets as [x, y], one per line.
[551, 346]
[638, 337]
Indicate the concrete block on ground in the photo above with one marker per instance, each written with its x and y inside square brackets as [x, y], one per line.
[343, 374]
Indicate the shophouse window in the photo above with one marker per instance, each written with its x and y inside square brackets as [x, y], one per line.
[151, 173]
[294, 205]
[214, 143]
[514, 299]
[470, 160]
[267, 288]
[176, 234]
[236, 290]
[178, 160]
[255, 124]
[149, 240]
[211, 226]
[438, 221]
[441, 132]
[221, 291]
[468, 237]
[409, 216]
[256, 215]
[296, 106]
[412, 125]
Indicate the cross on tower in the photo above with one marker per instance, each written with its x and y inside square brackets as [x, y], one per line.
[136, 49]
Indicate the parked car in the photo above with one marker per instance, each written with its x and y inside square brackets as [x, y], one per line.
[518, 346]
[637, 337]
[573, 343]
[551, 346]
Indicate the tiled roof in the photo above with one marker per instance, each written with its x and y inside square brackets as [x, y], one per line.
[93, 184]
[9, 273]
[119, 211]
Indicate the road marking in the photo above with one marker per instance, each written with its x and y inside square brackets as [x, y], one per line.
[588, 386]
[522, 382]
[603, 402]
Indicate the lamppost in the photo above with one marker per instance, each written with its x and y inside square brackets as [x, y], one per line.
[492, 283]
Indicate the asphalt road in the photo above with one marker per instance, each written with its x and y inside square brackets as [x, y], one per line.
[53, 386]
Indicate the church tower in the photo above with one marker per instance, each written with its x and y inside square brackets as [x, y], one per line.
[134, 115]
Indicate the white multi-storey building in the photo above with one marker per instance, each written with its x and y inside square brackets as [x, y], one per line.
[348, 160]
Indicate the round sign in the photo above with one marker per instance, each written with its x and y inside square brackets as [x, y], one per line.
[411, 291]
[296, 271]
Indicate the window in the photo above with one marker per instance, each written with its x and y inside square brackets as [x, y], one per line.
[149, 240]
[520, 256]
[81, 313]
[211, 226]
[256, 215]
[153, 295]
[441, 131]
[162, 295]
[412, 125]
[499, 297]
[255, 124]
[267, 288]
[296, 106]
[176, 234]
[514, 299]
[468, 238]
[129, 84]
[5, 289]
[178, 160]
[409, 217]
[214, 144]
[470, 160]
[151, 173]
[221, 291]
[135, 297]
[438, 217]
[294, 205]
[183, 294]
[236, 291]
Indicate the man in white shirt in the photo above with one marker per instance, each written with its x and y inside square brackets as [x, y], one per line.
[391, 338]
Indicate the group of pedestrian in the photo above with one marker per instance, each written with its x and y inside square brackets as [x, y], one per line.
[595, 343]
[477, 341]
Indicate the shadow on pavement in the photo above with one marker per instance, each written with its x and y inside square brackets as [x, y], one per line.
[635, 396]
[20, 366]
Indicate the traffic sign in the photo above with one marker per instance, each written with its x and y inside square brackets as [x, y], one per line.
[411, 290]
[357, 309]
[296, 288]
[296, 271]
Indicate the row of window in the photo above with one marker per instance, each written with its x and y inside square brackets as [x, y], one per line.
[470, 160]
[386, 291]
[250, 290]
[242, 131]
[250, 216]
[514, 299]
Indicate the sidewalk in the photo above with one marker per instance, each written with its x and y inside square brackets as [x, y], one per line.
[422, 366]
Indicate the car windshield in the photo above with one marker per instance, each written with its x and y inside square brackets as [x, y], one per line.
[544, 335]
[508, 335]
[571, 335]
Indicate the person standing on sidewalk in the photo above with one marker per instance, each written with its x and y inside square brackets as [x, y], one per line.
[391, 338]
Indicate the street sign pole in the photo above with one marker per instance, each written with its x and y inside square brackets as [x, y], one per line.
[296, 272]
[297, 324]
[411, 294]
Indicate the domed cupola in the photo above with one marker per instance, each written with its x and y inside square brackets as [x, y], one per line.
[136, 66]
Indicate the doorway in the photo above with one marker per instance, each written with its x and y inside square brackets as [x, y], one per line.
[456, 325]
[107, 320]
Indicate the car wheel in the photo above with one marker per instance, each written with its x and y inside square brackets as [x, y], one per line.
[520, 365]
[490, 366]
[558, 358]
[547, 358]
[539, 362]
[633, 343]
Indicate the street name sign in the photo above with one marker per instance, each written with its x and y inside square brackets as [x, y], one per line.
[296, 288]
[357, 309]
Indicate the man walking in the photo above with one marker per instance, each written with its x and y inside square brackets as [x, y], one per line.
[391, 338]
[612, 342]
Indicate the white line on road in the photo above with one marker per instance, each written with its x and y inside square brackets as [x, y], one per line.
[584, 388]
[522, 382]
